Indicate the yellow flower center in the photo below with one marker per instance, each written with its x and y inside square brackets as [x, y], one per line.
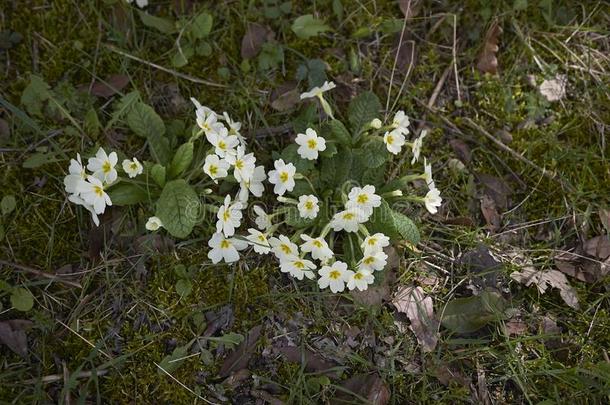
[309, 205]
[317, 243]
[312, 143]
[206, 126]
[98, 191]
[390, 139]
[362, 198]
[299, 264]
[335, 274]
[372, 241]
[284, 177]
[222, 145]
[106, 167]
[239, 164]
[368, 260]
[213, 170]
[348, 216]
[133, 166]
[225, 244]
[226, 215]
[358, 276]
[285, 248]
[262, 238]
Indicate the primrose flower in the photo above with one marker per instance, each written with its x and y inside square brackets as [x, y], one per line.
[401, 122]
[360, 280]
[363, 199]
[92, 192]
[224, 144]
[215, 167]
[133, 167]
[394, 140]
[77, 175]
[416, 146]
[262, 220]
[282, 177]
[283, 247]
[308, 206]
[310, 144]
[153, 224]
[317, 247]
[374, 243]
[319, 93]
[79, 201]
[243, 164]
[348, 220]
[373, 261]
[428, 175]
[254, 185]
[433, 200]
[140, 3]
[102, 166]
[259, 241]
[229, 217]
[224, 248]
[297, 267]
[207, 120]
[335, 276]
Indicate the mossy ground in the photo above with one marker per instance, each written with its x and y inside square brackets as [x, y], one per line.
[69, 43]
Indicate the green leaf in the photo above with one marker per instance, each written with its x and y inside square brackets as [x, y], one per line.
[182, 56]
[202, 25]
[91, 123]
[178, 208]
[290, 154]
[340, 133]
[127, 194]
[362, 109]
[144, 121]
[172, 362]
[335, 170]
[338, 9]
[157, 172]
[22, 299]
[374, 152]
[8, 204]
[307, 116]
[307, 26]
[184, 287]
[39, 159]
[182, 159]
[406, 228]
[36, 92]
[159, 147]
[164, 25]
[294, 220]
[466, 315]
[330, 151]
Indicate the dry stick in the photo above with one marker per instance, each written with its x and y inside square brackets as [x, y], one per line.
[164, 69]
[39, 273]
[517, 156]
[47, 379]
[430, 104]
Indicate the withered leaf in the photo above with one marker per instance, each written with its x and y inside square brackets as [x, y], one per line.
[461, 150]
[369, 386]
[254, 38]
[604, 217]
[241, 356]
[311, 361]
[410, 8]
[490, 213]
[599, 247]
[542, 279]
[12, 334]
[109, 86]
[419, 309]
[496, 188]
[487, 61]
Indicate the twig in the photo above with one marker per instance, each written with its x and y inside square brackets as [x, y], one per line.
[39, 273]
[164, 69]
[184, 386]
[516, 155]
[47, 379]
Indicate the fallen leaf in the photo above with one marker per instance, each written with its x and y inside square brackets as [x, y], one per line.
[554, 89]
[577, 265]
[218, 320]
[311, 361]
[410, 8]
[515, 327]
[405, 53]
[285, 96]
[598, 246]
[487, 61]
[182, 7]
[419, 309]
[459, 221]
[481, 263]
[153, 243]
[542, 279]
[368, 386]
[604, 217]
[12, 334]
[239, 359]
[110, 86]
[267, 397]
[469, 314]
[490, 213]
[235, 379]
[496, 188]
[461, 150]
[254, 38]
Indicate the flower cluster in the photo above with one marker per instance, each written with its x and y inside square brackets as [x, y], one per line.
[89, 189]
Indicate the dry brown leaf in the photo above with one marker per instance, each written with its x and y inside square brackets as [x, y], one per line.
[12, 334]
[254, 38]
[239, 359]
[515, 327]
[496, 188]
[554, 89]
[311, 361]
[406, 53]
[5, 131]
[488, 60]
[490, 213]
[598, 246]
[368, 386]
[604, 217]
[410, 8]
[461, 150]
[419, 309]
[109, 86]
[542, 279]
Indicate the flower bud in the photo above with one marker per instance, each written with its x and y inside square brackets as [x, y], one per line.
[376, 123]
